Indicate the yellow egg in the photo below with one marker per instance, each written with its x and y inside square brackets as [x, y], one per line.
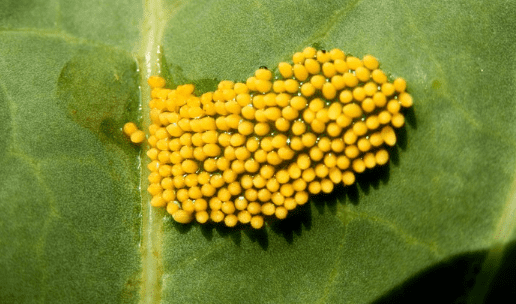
[129, 128]
[241, 153]
[398, 120]
[182, 217]
[299, 185]
[263, 74]
[379, 76]
[338, 82]
[289, 113]
[350, 80]
[337, 145]
[343, 162]
[362, 74]
[329, 91]
[217, 216]
[300, 72]
[158, 201]
[254, 208]
[244, 217]
[323, 56]
[335, 175]
[307, 89]
[346, 96]
[370, 62]
[358, 165]
[312, 66]
[405, 99]
[281, 212]
[309, 52]
[138, 136]
[348, 178]
[340, 65]
[352, 110]
[368, 105]
[314, 187]
[291, 85]
[278, 86]
[241, 203]
[298, 103]
[172, 208]
[257, 222]
[268, 209]
[359, 93]
[290, 203]
[382, 157]
[202, 217]
[317, 81]
[388, 89]
[326, 185]
[400, 85]
[388, 135]
[328, 69]
[228, 207]
[369, 160]
[231, 220]
[285, 69]
[308, 175]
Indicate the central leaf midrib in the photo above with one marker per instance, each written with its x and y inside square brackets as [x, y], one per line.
[152, 227]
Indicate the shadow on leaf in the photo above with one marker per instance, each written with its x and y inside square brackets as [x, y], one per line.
[453, 281]
[299, 218]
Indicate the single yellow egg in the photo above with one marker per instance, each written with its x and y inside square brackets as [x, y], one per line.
[281, 212]
[257, 222]
[156, 82]
[138, 136]
[312, 66]
[182, 217]
[244, 217]
[285, 69]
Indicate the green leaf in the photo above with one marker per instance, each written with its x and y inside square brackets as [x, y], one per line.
[74, 226]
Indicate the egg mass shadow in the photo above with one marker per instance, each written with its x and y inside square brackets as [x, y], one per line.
[179, 227]
[259, 236]
[371, 178]
[232, 233]
[410, 117]
[207, 230]
[323, 201]
[297, 220]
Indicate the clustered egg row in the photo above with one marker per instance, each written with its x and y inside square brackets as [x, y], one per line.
[260, 148]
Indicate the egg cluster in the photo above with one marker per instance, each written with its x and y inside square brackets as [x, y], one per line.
[261, 147]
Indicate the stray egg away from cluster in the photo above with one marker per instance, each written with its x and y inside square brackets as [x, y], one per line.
[260, 148]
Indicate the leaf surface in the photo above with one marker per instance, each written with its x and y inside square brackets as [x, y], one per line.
[74, 226]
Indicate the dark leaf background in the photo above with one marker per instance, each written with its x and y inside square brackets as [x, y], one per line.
[436, 223]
